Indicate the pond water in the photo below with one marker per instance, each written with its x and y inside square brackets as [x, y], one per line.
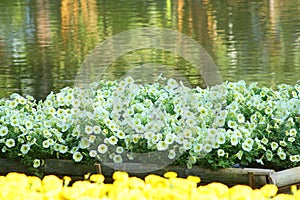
[44, 42]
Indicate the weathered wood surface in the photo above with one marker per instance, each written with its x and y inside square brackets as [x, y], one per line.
[286, 177]
[67, 167]
[11, 166]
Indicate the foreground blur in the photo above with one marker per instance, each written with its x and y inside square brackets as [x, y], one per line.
[20, 186]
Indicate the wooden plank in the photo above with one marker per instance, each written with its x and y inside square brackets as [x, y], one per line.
[67, 167]
[257, 171]
[7, 166]
[285, 177]
[287, 189]
[230, 176]
[133, 167]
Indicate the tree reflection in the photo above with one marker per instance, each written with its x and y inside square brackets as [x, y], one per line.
[44, 42]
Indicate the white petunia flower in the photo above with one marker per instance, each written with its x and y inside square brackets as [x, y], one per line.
[76, 103]
[297, 157]
[25, 148]
[77, 156]
[291, 139]
[3, 130]
[93, 153]
[117, 159]
[247, 144]
[10, 143]
[232, 124]
[39, 117]
[293, 132]
[282, 143]
[47, 123]
[281, 155]
[215, 145]
[46, 144]
[240, 118]
[97, 129]
[13, 104]
[56, 147]
[268, 111]
[246, 147]
[102, 148]
[207, 148]
[187, 133]
[135, 138]
[148, 135]
[62, 149]
[234, 140]
[172, 154]
[269, 155]
[15, 122]
[238, 133]
[162, 146]
[36, 163]
[274, 145]
[169, 138]
[264, 141]
[88, 130]
[212, 132]
[293, 158]
[92, 138]
[197, 148]
[219, 121]
[47, 133]
[119, 150]
[221, 139]
[187, 145]
[191, 121]
[221, 152]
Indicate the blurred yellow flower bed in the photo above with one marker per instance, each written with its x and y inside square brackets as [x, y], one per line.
[20, 186]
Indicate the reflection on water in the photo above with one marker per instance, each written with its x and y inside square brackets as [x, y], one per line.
[44, 42]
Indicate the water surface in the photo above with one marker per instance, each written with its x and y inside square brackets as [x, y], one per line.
[44, 42]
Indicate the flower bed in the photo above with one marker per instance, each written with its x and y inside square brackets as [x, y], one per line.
[227, 125]
[20, 186]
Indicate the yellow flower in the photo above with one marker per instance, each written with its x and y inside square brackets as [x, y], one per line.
[240, 192]
[269, 190]
[66, 180]
[296, 193]
[121, 176]
[51, 182]
[135, 182]
[194, 179]
[283, 197]
[293, 189]
[14, 177]
[218, 188]
[170, 175]
[34, 183]
[156, 181]
[98, 178]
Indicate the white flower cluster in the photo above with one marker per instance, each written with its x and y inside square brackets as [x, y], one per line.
[218, 127]
[119, 119]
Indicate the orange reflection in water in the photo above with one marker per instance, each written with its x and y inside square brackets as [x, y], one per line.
[43, 23]
[78, 19]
